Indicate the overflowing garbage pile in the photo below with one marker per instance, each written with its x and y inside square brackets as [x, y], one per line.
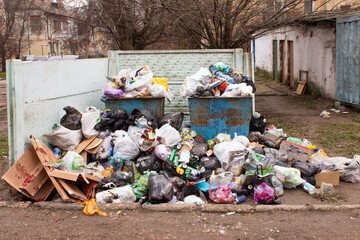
[136, 83]
[115, 156]
[218, 80]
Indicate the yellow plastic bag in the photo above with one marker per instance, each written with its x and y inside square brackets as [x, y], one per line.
[91, 208]
[161, 81]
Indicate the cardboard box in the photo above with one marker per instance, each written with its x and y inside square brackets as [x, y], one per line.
[328, 177]
[296, 151]
[28, 176]
[31, 178]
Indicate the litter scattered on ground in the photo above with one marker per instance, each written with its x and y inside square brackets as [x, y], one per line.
[114, 156]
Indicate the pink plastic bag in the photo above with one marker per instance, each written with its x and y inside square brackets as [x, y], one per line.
[222, 194]
[264, 194]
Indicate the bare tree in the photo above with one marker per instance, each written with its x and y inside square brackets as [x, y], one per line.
[8, 10]
[232, 23]
[133, 24]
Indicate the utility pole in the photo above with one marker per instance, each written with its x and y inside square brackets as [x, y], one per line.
[28, 37]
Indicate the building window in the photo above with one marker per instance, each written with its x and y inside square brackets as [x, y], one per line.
[57, 26]
[308, 6]
[35, 23]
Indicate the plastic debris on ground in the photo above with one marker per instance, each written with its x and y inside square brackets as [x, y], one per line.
[113, 156]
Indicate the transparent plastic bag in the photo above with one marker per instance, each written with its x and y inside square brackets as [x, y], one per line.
[225, 150]
[157, 90]
[90, 117]
[168, 135]
[73, 162]
[124, 146]
[64, 138]
[221, 178]
[116, 195]
[290, 177]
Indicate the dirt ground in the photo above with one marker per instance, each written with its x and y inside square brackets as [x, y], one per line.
[52, 224]
[297, 115]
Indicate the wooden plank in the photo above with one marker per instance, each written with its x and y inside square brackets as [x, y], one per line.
[291, 63]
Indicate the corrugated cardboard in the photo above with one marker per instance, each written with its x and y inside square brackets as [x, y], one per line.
[296, 151]
[328, 177]
[72, 190]
[28, 176]
[91, 145]
[74, 176]
[45, 154]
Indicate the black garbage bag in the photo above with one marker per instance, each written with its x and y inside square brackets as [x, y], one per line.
[72, 118]
[104, 124]
[210, 163]
[148, 162]
[152, 121]
[249, 82]
[126, 173]
[256, 137]
[199, 149]
[170, 169]
[307, 170]
[108, 183]
[257, 124]
[174, 119]
[191, 190]
[119, 114]
[160, 189]
[202, 92]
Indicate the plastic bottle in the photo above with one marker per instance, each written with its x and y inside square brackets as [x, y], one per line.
[57, 152]
[309, 188]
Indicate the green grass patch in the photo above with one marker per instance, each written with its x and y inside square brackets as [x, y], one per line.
[340, 138]
[2, 74]
[292, 129]
[4, 149]
[355, 117]
[263, 75]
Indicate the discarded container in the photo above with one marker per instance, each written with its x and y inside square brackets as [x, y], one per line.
[153, 104]
[210, 116]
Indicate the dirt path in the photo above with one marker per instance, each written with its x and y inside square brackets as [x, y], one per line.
[53, 224]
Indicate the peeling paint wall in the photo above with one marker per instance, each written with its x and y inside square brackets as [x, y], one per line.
[314, 51]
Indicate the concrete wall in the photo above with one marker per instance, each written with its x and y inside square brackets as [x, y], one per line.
[314, 51]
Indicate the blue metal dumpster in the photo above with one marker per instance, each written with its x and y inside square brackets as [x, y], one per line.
[210, 116]
[153, 104]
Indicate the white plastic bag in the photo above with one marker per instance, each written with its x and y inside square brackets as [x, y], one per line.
[290, 177]
[90, 117]
[168, 135]
[143, 78]
[64, 138]
[136, 133]
[124, 146]
[162, 151]
[222, 178]
[189, 87]
[116, 195]
[226, 151]
[191, 83]
[74, 162]
[200, 75]
[157, 90]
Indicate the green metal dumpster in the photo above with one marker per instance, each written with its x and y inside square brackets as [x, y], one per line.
[153, 104]
[210, 116]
